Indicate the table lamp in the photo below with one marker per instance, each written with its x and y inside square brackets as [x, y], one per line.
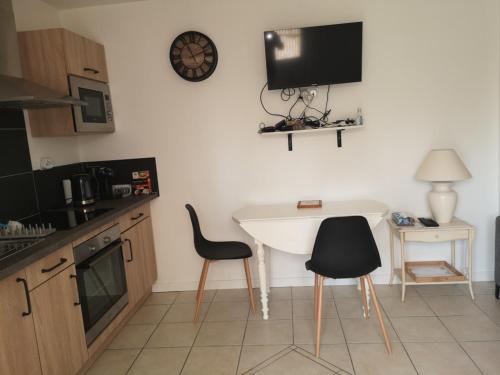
[442, 168]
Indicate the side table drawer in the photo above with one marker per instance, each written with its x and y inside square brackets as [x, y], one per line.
[437, 235]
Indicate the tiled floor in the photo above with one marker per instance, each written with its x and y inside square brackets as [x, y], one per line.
[438, 330]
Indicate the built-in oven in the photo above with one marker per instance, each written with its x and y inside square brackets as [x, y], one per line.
[101, 281]
[97, 115]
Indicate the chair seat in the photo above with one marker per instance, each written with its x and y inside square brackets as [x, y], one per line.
[226, 250]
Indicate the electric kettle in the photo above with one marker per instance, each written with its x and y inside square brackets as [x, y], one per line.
[81, 187]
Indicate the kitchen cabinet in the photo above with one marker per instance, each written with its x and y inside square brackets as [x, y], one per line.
[145, 230]
[18, 345]
[47, 57]
[59, 324]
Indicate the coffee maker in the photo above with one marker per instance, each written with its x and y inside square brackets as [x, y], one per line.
[101, 180]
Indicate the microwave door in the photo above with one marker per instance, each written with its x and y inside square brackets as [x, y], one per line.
[97, 115]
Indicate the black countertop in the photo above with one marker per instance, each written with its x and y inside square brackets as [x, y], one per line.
[55, 241]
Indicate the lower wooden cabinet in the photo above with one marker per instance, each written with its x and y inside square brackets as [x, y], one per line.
[18, 347]
[145, 229]
[59, 325]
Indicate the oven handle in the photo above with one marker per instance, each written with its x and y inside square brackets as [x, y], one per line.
[74, 277]
[26, 291]
[131, 250]
[92, 70]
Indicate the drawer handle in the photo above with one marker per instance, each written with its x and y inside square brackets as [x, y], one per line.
[131, 251]
[92, 70]
[61, 262]
[137, 217]
[26, 291]
[75, 303]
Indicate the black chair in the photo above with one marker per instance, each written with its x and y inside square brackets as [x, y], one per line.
[345, 248]
[212, 251]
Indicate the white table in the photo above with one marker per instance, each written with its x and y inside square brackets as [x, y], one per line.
[285, 227]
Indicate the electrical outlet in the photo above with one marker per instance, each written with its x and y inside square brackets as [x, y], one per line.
[46, 163]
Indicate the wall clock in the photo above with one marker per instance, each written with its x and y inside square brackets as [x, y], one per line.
[193, 56]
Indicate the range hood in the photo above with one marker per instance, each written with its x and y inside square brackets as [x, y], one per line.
[16, 92]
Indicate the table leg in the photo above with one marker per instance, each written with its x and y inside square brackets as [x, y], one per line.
[391, 243]
[268, 269]
[469, 262]
[261, 258]
[453, 253]
[403, 268]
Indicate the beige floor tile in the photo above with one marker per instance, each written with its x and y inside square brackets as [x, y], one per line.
[212, 360]
[350, 307]
[253, 355]
[278, 293]
[190, 296]
[421, 329]
[269, 332]
[480, 288]
[373, 359]
[452, 305]
[366, 331]
[345, 291]
[162, 298]
[221, 333]
[173, 335]
[132, 336]
[490, 305]
[304, 331]
[440, 290]
[336, 354]
[412, 306]
[304, 309]
[393, 291]
[307, 292]
[160, 361]
[227, 311]
[231, 295]
[151, 314]
[294, 364]
[114, 362]
[278, 309]
[472, 328]
[184, 312]
[440, 358]
[486, 355]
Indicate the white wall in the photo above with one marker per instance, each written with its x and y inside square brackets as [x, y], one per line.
[32, 15]
[430, 79]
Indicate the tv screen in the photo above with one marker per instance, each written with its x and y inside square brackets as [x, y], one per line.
[311, 56]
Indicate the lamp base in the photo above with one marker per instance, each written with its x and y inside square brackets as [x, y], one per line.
[442, 201]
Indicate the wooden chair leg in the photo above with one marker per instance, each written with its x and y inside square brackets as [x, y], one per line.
[318, 313]
[315, 313]
[363, 296]
[379, 314]
[201, 289]
[249, 283]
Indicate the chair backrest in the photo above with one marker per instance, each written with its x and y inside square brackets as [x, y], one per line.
[199, 240]
[345, 248]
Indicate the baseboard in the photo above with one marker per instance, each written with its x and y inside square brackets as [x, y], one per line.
[281, 282]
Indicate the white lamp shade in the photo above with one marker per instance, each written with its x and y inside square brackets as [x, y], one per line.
[442, 165]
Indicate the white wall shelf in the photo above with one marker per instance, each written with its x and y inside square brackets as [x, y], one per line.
[289, 133]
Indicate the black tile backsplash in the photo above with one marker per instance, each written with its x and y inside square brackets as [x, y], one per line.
[17, 188]
[24, 192]
[17, 197]
[14, 151]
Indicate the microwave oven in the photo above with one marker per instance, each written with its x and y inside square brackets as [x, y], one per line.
[97, 115]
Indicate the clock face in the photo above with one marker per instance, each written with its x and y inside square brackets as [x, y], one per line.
[193, 56]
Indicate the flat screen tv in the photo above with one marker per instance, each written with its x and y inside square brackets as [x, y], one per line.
[311, 56]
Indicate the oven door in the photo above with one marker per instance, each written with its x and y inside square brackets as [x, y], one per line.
[102, 287]
[97, 115]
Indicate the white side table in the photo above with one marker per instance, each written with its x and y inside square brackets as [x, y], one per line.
[455, 230]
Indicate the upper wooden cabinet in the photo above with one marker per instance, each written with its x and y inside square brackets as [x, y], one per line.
[48, 57]
[18, 345]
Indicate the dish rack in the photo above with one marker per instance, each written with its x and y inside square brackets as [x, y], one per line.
[29, 231]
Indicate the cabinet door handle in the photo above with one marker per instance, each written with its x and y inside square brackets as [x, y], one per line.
[137, 217]
[74, 277]
[131, 250]
[26, 291]
[92, 70]
[61, 262]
